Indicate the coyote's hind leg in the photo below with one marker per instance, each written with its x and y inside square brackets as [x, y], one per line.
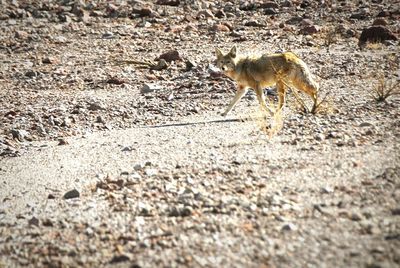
[261, 99]
[280, 86]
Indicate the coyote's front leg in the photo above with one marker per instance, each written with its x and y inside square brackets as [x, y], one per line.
[239, 94]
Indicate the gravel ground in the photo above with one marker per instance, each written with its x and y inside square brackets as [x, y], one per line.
[112, 152]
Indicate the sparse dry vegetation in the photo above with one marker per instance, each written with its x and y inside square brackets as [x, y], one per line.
[385, 88]
[330, 37]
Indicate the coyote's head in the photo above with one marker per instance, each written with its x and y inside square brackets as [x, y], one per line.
[226, 62]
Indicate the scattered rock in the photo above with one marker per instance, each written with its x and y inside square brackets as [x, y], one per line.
[95, 106]
[375, 34]
[169, 56]
[355, 216]
[62, 141]
[100, 119]
[119, 258]
[220, 14]
[143, 12]
[180, 212]
[269, 4]
[384, 13]
[19, 134]
[366, 124]
[294, 20]
[34, 221]
[189, 65]
[289, 227]
[270, 11]
[380, 21]
[49, 60]
[72, 194]
[220, 28]
[21, 35]
[161, 65]
[150, 87]
[115, 81]
[31, 74]
[396, 211]
[60, 39]
[312, 29]
[254, 23]
[47, 223]
[173, 3]
[327, 190]
[205, 14]
[108, 35]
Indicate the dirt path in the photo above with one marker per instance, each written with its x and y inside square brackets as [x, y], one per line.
[201, 194]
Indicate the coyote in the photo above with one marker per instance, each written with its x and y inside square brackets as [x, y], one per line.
[257, 72]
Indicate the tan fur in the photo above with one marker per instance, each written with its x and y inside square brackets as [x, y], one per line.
[258, 72]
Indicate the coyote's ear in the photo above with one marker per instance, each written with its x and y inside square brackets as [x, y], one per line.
[219, 53]
[232, 53]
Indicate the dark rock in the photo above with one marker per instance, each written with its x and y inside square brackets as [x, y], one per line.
[269, 4]
[116, 81]
[112, 11]
[350, 33]
[108, 35]
[359, 16]
[270, 11]
[254, 23]
[180, 212]
[294, 20]
[62, 142]
[31, 73]
[172, 55]
[384, 13]
[312, 29]
[305, 4]
[289, 227]
[71, 194]
[380, 21]
[120, 258]
[47, 223]
[49, 60]
[173, 3]
[248, 6]
[33, 221]
[95, 106]
[220, 14]
[143, 12]
[396, 211]
[375, 34]
[100, 119]
[189, 65]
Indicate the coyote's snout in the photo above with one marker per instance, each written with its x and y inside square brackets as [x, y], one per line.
[257, 72]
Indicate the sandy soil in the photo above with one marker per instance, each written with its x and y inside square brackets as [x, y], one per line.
[95, 172]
